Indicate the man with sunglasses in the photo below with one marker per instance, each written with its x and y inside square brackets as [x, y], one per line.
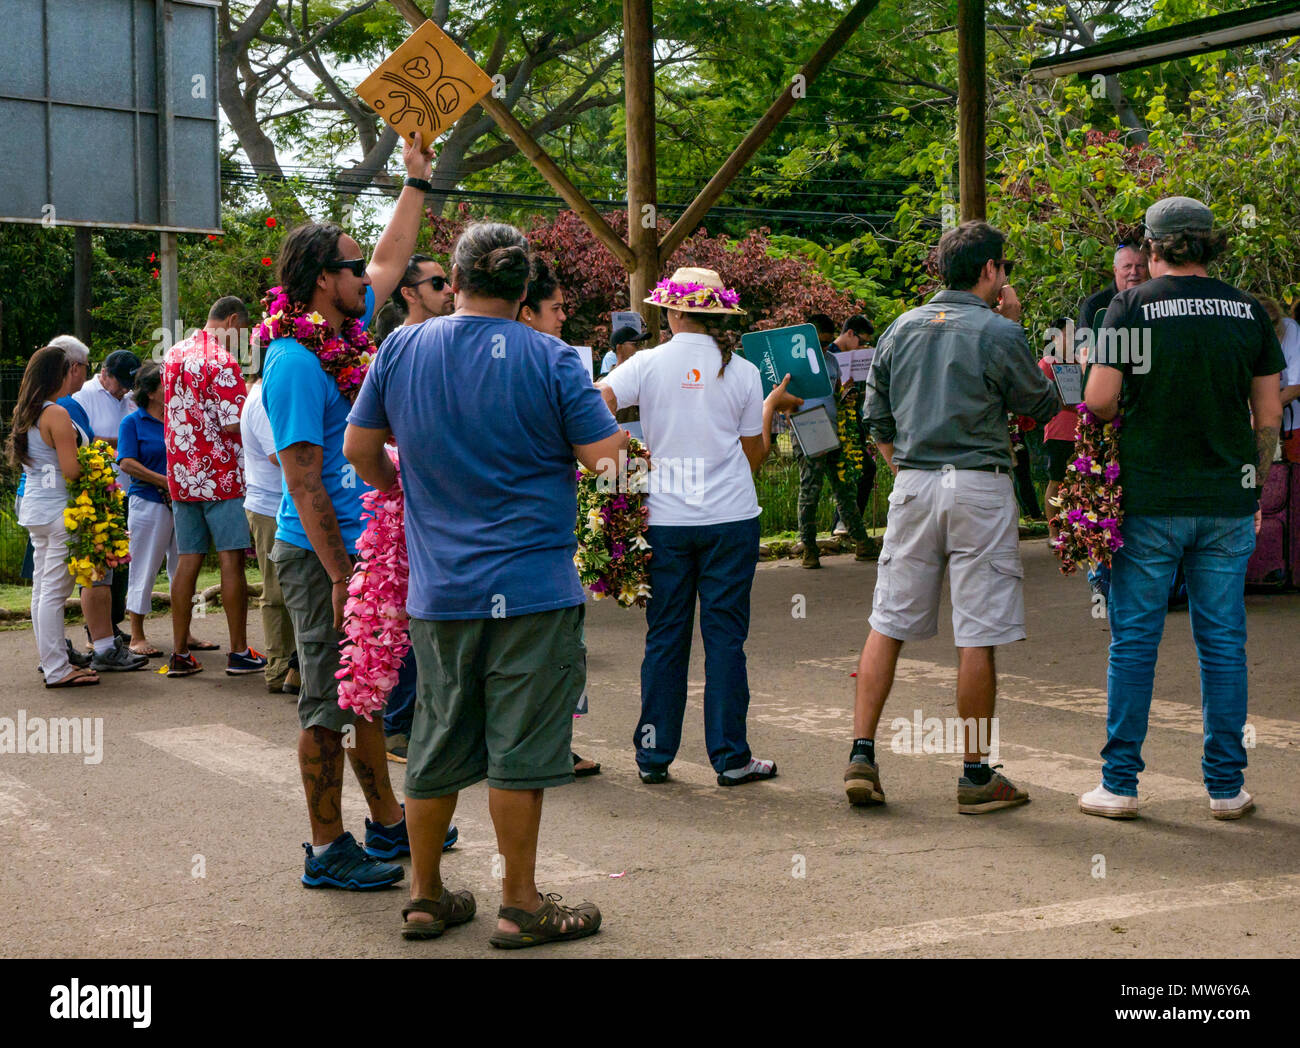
[323, 273]
[424, 292]
[941, 384]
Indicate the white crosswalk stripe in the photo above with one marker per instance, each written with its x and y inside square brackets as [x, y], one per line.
[929, 934]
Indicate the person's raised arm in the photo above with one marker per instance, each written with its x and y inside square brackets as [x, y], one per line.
[364, 448]
[302, 476]
[779, 401]
[397, 243]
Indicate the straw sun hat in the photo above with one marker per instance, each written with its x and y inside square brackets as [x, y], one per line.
[692, 290]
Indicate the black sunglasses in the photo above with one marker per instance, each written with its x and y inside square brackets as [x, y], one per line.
[438, 282]
[357, 265]
[1007, 266]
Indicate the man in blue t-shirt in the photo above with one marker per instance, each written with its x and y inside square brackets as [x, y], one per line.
[493, 414]
[323, 272]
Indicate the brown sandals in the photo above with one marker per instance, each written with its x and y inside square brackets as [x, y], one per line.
[78, 678]
[550, 922]
[452, 909]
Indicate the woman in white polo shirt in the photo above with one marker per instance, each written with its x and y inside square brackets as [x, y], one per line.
[708, 427]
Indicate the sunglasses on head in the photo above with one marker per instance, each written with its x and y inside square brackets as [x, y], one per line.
[357, 265]
[438, 282]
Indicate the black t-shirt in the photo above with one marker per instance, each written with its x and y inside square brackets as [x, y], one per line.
[1094, 304]
[1186, 439]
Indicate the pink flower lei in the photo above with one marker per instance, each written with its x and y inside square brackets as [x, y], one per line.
[344, 355]
[670, 294]
[1089, 503]
[375, 627]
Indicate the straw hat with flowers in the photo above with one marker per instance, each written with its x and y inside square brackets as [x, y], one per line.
[692, 290]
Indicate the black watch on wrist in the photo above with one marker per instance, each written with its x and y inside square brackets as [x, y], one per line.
[422, 184]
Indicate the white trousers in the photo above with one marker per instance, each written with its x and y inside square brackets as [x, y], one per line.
[153, 539]
[51, 587]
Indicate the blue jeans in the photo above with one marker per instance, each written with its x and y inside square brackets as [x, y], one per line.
[714, 562]
[1213, 552]
[400, 710]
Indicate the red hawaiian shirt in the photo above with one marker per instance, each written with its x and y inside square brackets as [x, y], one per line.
[205, 392]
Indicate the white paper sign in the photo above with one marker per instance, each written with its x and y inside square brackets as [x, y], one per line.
[855, 364]
[588, 356]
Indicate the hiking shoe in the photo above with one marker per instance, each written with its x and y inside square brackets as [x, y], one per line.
[345, 865]
[237, 665]
[387, 842]
[1108, 805]
[862, 783]
[1232, 807]
[998, 792]
[396, 745]
[866, 549]
[653, 777]
[183, 665]
[80, 659]
[751, 772]
[392, 842]
[118, 659]
[811, 559]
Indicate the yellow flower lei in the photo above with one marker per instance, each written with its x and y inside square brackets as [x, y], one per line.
[95, 517]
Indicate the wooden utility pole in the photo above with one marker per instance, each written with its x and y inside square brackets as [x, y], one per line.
[971, 104]
[642, 179]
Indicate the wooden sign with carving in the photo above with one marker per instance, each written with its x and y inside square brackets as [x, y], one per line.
[426, 85]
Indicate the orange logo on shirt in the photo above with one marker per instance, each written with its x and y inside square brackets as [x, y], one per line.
[693, 375]
[692, 380]
[941, 318]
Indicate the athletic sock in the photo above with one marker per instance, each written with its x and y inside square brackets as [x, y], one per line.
[318, 850]
[979, 773]
[864, 751]
[105, 644]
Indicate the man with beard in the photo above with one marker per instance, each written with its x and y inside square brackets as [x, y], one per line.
[316, 323]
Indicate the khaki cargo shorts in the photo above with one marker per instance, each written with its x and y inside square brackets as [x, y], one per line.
[966, 521]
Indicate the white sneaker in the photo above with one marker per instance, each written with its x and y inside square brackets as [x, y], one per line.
[1108, 805]
[841, 529]
[1232, 807]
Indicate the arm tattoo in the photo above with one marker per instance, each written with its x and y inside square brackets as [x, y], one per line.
[1265, 445]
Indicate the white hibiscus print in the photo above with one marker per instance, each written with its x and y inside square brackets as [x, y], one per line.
[227, 413]
[183, 438]
[198, 484]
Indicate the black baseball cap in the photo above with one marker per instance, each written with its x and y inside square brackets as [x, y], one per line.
[122, 364]
[627, 333]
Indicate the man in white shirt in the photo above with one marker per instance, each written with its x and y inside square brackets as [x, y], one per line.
[1289, 336]
[107, 396]
[264, 486]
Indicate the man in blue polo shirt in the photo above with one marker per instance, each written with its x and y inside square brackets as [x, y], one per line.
[324, 275]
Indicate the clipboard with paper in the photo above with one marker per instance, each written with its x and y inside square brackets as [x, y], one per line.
[1069, 383]
[789, 350]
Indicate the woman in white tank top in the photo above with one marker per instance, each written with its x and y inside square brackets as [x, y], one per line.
[43, 440]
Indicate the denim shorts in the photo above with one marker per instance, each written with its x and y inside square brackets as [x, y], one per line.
[201, 524]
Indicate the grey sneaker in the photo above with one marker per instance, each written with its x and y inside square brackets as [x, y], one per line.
[998, 792]
[118, 659]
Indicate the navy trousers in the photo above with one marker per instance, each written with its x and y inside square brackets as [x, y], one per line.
[714, 563]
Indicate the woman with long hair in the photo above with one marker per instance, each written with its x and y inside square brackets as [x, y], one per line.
[142, 456]
[43, 441]
[708, 428]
